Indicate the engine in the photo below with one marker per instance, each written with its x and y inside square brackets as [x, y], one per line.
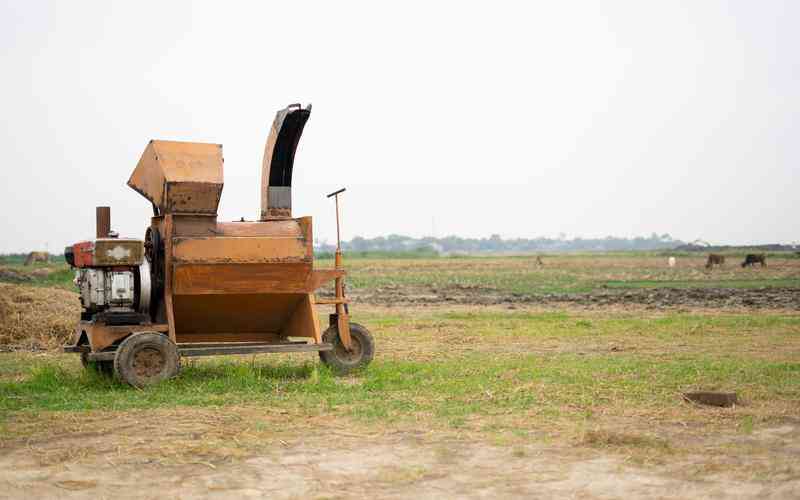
[113, 279]
[102, 289]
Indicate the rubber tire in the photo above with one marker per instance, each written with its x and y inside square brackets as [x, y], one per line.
[337, 359]
[136, 343]
[104, 367]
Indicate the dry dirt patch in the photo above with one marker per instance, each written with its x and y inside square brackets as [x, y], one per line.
[654, 298]
[247, 452]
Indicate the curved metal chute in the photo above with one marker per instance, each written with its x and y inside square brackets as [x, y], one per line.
[276, 167]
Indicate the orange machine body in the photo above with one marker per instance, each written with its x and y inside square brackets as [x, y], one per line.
[212, 281]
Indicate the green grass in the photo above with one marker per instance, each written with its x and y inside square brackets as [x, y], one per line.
[59, 276]
[662, 356]
[390, 390]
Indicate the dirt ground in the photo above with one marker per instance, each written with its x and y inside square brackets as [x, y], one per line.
[656, 298]
[204, 454]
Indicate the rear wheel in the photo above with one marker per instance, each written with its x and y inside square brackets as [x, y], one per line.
[340, 359]
[146, 358]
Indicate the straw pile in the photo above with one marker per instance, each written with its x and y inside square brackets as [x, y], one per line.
[36, 318]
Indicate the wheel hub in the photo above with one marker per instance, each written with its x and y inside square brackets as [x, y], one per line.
[351, 356]
[148, 362]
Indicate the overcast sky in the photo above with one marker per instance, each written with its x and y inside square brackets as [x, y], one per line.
[523, 119]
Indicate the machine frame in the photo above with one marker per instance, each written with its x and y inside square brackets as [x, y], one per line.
[215, 288]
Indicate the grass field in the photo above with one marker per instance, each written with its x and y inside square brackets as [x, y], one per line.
[569, 273]
[450, 367]
[544, 395]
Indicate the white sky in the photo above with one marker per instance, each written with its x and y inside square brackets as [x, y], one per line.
[523, 119]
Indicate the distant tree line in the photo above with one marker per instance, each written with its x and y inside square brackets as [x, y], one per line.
[496, 244]
[771, 247]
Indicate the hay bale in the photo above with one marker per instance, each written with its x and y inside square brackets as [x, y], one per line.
[36, 318]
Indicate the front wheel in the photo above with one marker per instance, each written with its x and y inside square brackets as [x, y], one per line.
[340, 359]
[146, 358]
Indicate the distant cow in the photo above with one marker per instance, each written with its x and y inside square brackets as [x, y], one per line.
[714, 259]
[671, 262]
[539, 261]
[37, 257]
[754, 258]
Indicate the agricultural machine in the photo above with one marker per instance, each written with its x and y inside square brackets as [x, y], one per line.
[195, 286]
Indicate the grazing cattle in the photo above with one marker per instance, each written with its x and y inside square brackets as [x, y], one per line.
[715, 259]
[671, 262]
[754, 258]
[37, 257]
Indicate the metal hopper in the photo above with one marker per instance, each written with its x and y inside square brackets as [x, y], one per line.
[180, 177]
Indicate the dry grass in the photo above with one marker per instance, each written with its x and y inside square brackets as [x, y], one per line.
[603, 438]
[36, 318]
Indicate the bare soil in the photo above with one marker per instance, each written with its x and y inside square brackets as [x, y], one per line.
[244, 453]
[658, 298]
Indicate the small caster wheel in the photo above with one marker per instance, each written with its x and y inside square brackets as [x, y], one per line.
[146, 358]
[340, 359]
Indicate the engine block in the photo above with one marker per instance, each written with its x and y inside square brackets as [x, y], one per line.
[103, 288]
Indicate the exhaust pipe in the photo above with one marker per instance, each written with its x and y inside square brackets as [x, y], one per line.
[103, 221]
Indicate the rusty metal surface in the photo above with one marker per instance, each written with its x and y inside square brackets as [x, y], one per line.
[192, 197]
[284, 241]
[180, 177]
[254, 349]
[222, 349]
[102, 221]
[320, 277]
[118, 252]
[220, 279]
[303, 321]
[240, 313]
[195, 225]
[249, 250]
[290, 227]
[108, 252]
[101, 336]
